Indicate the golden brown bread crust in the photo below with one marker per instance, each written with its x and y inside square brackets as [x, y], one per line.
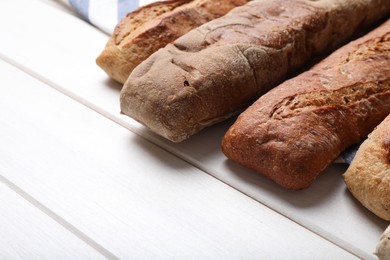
[297, 129]
[368, 176]
[153, 26]
[221, 67]
[119, 57]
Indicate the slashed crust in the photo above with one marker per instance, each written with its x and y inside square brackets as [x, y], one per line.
[153, 26]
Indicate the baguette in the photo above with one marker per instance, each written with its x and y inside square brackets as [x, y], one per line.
[221, 67]
[153, 26]
[296, 130]
[368, 176]
[382, 250]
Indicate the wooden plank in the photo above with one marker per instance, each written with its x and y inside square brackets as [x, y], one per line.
[67, 63]
[327, 208]
[128, 195]
[27, 233]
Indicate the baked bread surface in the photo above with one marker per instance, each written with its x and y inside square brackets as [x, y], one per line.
[382, 250]
[368, 176]
[297, 129]
[221, 67]
[153, 26]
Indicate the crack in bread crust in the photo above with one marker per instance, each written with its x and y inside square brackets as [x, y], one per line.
[151, 27]
[346, 96]
[128, 25]
[334, 92]
[279, 25]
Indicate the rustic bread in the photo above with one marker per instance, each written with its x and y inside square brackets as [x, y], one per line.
[297, 129]
[153, 26]
[221, 67]
[383, 248]
[368, 176]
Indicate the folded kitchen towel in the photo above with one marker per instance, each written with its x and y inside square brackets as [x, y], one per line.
[105, 14]
[348, 155]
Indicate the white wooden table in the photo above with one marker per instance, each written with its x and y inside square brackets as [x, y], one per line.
[78, 180]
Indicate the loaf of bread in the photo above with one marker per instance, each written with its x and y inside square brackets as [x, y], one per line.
[368, 176]
[221, 67]
[153, 26]
[292, 133]
[383, 248]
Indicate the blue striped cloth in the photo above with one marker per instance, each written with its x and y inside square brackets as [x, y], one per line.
[105, 14]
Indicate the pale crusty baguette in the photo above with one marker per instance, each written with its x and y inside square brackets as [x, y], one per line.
[153, 26]
[368, 176]
[221, 67]
[297, 129]
[383, 248]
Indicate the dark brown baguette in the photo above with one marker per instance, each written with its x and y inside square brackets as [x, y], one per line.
[220, 68]
[368, 176]
[153, 26]
[296, 130]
